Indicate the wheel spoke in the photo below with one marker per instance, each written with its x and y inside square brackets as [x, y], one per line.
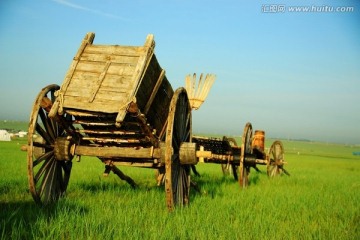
[43, 168]
[271, 171]
[47, 124]
[274, 153]
[43, 134]
[60, 129]
[46, 182]
[51, 194]
[183, 115]
[42, 158]
[41, 145]
[59, 180]
[187, 125]
[66, 167]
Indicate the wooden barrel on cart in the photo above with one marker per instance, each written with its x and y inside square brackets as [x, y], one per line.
[258, 141]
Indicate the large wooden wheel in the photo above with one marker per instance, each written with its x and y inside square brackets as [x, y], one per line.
[246, 149]
[177, 176]
[275, 164]
[230, 167]
[48, 177]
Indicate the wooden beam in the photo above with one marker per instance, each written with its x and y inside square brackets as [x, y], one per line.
[57, 107]
[145, 127]
[98, 83]
[137, 164]
[122, 176]
[118, 152]
[154, 91]
[139, 72]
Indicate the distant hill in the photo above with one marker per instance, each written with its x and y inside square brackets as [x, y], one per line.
[13, 126]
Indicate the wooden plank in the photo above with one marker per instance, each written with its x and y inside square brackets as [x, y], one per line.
[106, 106]
[85, 78]
[97, 67]
[117, 81]
[88, 66]
[116, 50]
[102, 123]
[122, 69]
[135, 142]
[106, 132]
[82, 76]
[83, 92]
[113, 87]
[119, 97]
[82, 113]
[104, 94]
[101, 57]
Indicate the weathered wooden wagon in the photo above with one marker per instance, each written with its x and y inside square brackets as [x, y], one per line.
[240, 159]
[117, 104]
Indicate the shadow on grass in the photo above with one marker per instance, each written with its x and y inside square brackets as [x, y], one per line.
[216, 185]
[207, 185]
[254, 178]
[116, 185]
[21, 219]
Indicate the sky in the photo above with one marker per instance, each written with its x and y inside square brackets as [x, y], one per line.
[295, 75]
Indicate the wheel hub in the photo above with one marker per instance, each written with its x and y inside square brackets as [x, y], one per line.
[62, 149]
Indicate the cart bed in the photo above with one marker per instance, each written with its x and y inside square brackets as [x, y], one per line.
[107, 78]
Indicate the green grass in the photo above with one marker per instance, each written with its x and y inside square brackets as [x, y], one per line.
[320, 200]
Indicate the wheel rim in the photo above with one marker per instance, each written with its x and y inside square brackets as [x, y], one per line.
[276, 159]
[177, 176]
[48, 178]
[246, 149]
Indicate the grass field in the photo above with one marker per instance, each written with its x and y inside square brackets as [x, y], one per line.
[320, 200]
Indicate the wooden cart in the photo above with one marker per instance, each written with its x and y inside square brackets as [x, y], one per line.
[116, 104]
[240, 159]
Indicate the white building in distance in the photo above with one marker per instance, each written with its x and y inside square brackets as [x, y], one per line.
[4, 135]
